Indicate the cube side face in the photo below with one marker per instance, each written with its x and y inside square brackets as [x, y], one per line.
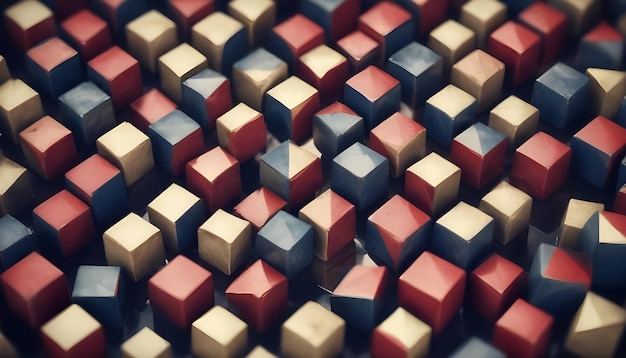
[420, 304]
[306, 183]
[487, 301]
[590, 163]
[109, 202]
[419, 192]
[357, 190]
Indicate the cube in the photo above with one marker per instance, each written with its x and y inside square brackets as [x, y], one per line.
[551, 24]
[178, 214]
[119, 13]
[432, 183]
[289, 108]
[214, 177]
[428, 14]
[294, 37]
[28, 23]
[515, 118]
[87, 111]
[540, 165]
[87, 33]
[335, 128]
[401, 140]
[560, 95]
[521, 57]
[176, 66]
[523, 330]
[607, 89]
[219, 332]
[483, 17]
[420, 71]
[129, 149]
[222, 39]
[259, 295]
[16, 241]
[188, 13]
[333, 219]
[360, 50]
[480, 75]
[258, 17]
[242, 132]
[73, 332]
[100, 185]
[447, 113]
[53, 67]
[596, 328]
[255, 74]
[390, 25]
[312, 330]
[100, 290]
[432, 289]
[329, 273]
[63, 224]
[337, 17]
[146, 343]
[401, 334]
[149, 36]
[35, 290]
[286, 243]
[325, 69]
[118, 74]
[258, 351]
[14, 184]
[480, 152]
[225, 241]
[5, 74]
[181, 301]
[358, 298]
[476, 347]
[135, 245]
[582, 15]
[48, 148]
[149, 108]
[258, 207]
[510, 208]
[373, 94]
[176, 139]
[206, 97]
[494, 285]
[20, 106]
[452, 41]
[360, 175]
[601, 47]
[576, 215]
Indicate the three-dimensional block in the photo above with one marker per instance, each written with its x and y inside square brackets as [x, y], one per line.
[522, 56]
[515, 118]
[188, 13]
[325, 69]
[222, 39]
[135, 245]
[576, 215]
[257, 16]
[53, 67]
[28, 23]
[540, 165]
[16, 241]
[601, 47]
[225, 241]
[476, 347]
[432, 183]
[335, 128]
[149, 36]
[181, 301]
[20, 106]
[432, 289]
[480, 75]
[582, 15]
[258, 207]
[206, 96]
[100, 290]
[146, 343]
[428, 13]
[73, 332]
[401, 334]
[149, 108]
[219, 332]
[16, 193]
[294, 37]
[242, 132]
[360, 50]
[176, 66]
[178, 214]
[259, 295]
[452, 41]
[119, 13]
[390, 25]
[337, 17]
[510, 208]
[483, 17]
[447, 113]
[87, 33]
[118, 74]
[551, 24]
[523, 330]
[255, 74]
[607, 89]
[286, 243]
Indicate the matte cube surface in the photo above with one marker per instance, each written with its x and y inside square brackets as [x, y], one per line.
[293, 37]
[335, 128]
[176, 66]
[73, 332]
[325, 69]
[242, 132]
[447, 113]
[15, 241]
[259, 206]
[601, 47]
[548, 22]
[389, 24]
[146, 343]
[258, 17]
[53, 67]
[483, 17]
[28, 23]
[149, 36]
[510, 208]
[87, 33]
[214, 176]
[607, 89]
[149, 108]
[225, 241]
[337, 17]
[20, 106]
[476, 347]
[480, 75]
[432, 183]
[118, 74]
[219, 333]
[516, 119]
[255, 74]
[576, 215]
[523, 331]
[100, 290]
[14, 184]
[401, 334]
[188, 13]
[360, 50]
[452, 41]
[518, 48]
[222, 39]
[119, 13]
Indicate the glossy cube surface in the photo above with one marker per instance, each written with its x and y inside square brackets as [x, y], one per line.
[483, 17]
[452, 41]
[258, 17]
[360, 50]
[607, 88]
[146, 343]
[337, 17]
[601, 47]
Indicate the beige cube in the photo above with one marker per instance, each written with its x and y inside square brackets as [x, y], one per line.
[219, 333]
[146, 344]
[73, 332]
[432, 184]
[5, 74]
[510, 208]
[135, 245]
[452, 41]
[255, 74]
[258, 17]
[576, 215]
[260, 352]
[401, 327]
[129, 149]
[176, 66]
[16, 193]
[483, 17]
[211, 35]
[516, 119]
[224, 241]
[480, 75]
[20, 106]
[581, 14]
[608, 88]
[149, 36]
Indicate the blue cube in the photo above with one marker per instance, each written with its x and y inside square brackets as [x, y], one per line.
[561, 94]
[15, 241]
[335, 128]
[447, 113]
[360, 175]
[100, 290]
[176, 139]
[286, 243]
[476, 347]
[53, 67]
[87, 111]
[602, 47]
[419, 70]
[206, 97]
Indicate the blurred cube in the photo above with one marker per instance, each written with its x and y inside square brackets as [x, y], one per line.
[224, 241]
[360, 50]
[119, 13]
[255, 74]
[87, 33]
[118, 74]
[521, 57]
[576, 215]
[5, 74]
[607, 88]
[20, 106]
[257, 16]
[242, 132]
[16, 241]
[53, 67]
[432, 183]
[222, 39]
[176, 66]
[601, 47]
[510, 208]
[401, 334]
[390, 25]
[100, 290]
[258, 207]
[550, 23]
[447, 113]
[523, 331]
[337, 17]
[483, 17]
[146, 343]
[16, 193]
[27, 23]
[219, 333]
[187, 13]
[206, 96]
[581, 15]
[326, 70]
[73, 332]
[149, 36]
[452, 41]
[335, 128]
[476, 347]
[149, 108]
[480, 75]
[427, 13]
[514, 118]
[214, 176]
[294, 37]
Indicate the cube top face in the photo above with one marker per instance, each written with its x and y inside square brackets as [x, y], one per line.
[27, 14]
[216, 159]
[205, 82]
[612, 228]
[292, 92]
[70, 327]
[13, 93]
[175, 126]
[506, 198]
[603, 32]
[238, 116]
[84, 25]
[256, 280]
[358, 45]
[151, 25]
[30, 275]
[112, 62]
[173, 202]
[288, 159]
[372, 82]
[498, 272]
[476, 347]
[314, 322]
[97, 281]
[285, 230]
[607, 80]
[259, 64]
[51, 53]
[92, 173]
[453, 34]
[153, 105]
[218, 28]
[560, 265]
[479, 66]
[406, 328]
[327, 209]
[61, 209]
[563, 80]
[336, 107]
[516, 37]
[250, 9]
[483, 10]
[122, 139]
[526, 320]
[359, 160]
[299, 33]
[180, 277]
[146, 343]
[322, 59]
[514, 109]
[451, 100]
[597, 312]
[465, 220]
[480, 139]
[230, 325]
[364, 282]
[383, 18]
[131, 232]
[535, 148]
[83, 98]
[604, 134]
[224, 225]
[399, 217]
[11, 171]
[542, 17]
[423, 169]
[182, 59]
[15, 231]
[415, 58]
[431, 274]
[579, 211]
[44, 133]
[259, 206]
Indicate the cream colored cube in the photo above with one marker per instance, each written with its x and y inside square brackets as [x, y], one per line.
[15, 191]
[146, 344]
[483, 17]
[258, 16]
[510, 208]
[149, 36]
[516, 119]
[176, 66]
[480, 75]
[224, 241]
[401, 327]
[211, 34]
[607, 89]
[20, 106]
[219, 334]
[452, 41]
[576, 215]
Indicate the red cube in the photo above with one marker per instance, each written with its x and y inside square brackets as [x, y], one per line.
[28, 23]
[429, 13]
[390, 25]
[495, 285]
[548, 22]
[518, 47]
[293, 37]
[214, 176]
[35, 290]
[540, 165]
[48, 148]
[523, 331]
[432, 289]
[186, 13]
[259, 295]
[181, 301]
[64, 8]
[242, 132]
[149, 108]
[87, 33]
[118, 74]
[360, 50]
[325, 69]
[259, 207]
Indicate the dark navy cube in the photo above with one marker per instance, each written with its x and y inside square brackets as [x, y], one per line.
[100, 290]
[206, 96]
[419, 70]
[15, 241]
[360, 175]
[448, 113]
[120, 12]
[176, 139]
[602, 47]
[87, 111]
[337, 17]
[286, 243]
[476, 347]
[335, 128]
[53, 67]
[561, 95]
